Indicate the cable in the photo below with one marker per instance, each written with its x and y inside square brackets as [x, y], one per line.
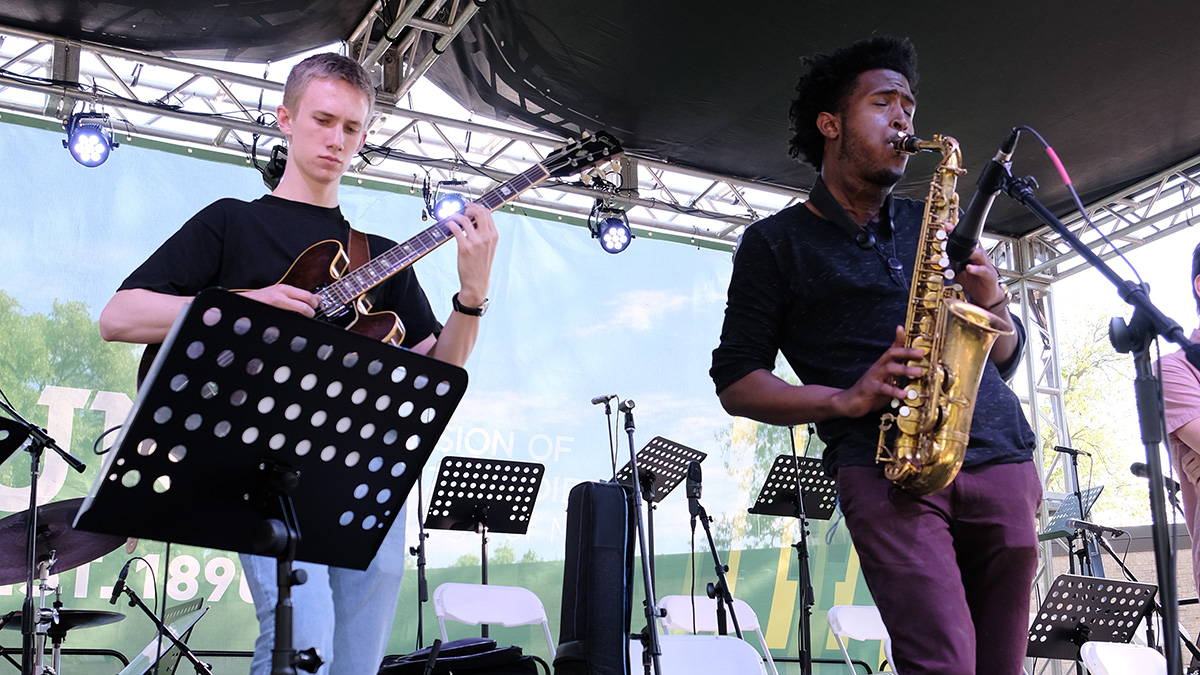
[1066, 178]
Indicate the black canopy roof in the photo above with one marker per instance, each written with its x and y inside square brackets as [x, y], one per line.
[1110, 84]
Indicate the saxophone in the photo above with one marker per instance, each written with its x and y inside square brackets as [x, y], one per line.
[934, 420]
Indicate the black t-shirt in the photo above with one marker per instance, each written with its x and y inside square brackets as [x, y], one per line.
[802, 287]
[247, 245]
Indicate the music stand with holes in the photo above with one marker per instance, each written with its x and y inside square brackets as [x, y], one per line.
[797, 487]
[1057, 526]
[256, 425]
[484, 495]
[1078, 609]
[662, 464]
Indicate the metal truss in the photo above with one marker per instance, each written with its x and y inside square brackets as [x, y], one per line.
[230, 110]
[1140, 214]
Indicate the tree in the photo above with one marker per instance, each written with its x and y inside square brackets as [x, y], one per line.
[503, 555]
[63, 349]
[1098, 398]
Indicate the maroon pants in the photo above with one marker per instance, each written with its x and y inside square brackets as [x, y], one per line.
[951, 573]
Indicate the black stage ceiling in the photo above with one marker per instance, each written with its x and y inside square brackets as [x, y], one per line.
[707, 85]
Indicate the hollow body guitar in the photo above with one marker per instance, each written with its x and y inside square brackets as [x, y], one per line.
[322, 268]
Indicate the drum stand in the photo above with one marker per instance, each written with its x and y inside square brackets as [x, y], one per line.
[17, 431]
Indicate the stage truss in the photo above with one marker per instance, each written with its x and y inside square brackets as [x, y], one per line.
[227, 109]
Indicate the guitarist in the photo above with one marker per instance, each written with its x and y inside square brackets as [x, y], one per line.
[327, 104]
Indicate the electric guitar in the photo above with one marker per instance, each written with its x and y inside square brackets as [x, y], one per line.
[322, 268]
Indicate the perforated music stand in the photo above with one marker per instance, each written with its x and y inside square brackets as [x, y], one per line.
[250, 413]
[797, 487]
[1078, 609]
[662, 464]
[1056, 527]
[482, 495]
[778, 494]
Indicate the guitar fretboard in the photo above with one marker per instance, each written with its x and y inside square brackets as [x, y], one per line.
[355, 283]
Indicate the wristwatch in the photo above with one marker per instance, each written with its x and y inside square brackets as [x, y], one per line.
[469, 311]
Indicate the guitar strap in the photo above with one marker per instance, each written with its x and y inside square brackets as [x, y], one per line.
[360, 254]
[360, 250]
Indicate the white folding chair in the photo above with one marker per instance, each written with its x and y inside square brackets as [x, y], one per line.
[690, 654]
[501, 605]
[858, 622]
[1115, 658]
[679, 617]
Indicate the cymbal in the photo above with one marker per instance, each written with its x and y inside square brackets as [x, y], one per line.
[67, 619]
[54, 520]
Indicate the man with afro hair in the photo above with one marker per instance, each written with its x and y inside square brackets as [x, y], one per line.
[826, 283]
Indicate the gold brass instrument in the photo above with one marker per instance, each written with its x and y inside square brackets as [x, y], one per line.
[933, 422]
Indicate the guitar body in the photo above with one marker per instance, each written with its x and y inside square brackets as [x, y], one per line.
[324, 263]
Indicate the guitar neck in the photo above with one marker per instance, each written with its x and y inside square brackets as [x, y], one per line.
[371, 274]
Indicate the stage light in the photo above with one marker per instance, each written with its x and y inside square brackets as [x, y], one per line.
[448, 205]
[609, 224]
[89, 138]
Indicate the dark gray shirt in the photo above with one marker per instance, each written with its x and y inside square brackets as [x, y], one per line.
[801, 286]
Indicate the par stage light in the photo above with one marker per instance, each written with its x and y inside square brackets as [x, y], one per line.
[610, 225]
[448, 205]
[89, 138]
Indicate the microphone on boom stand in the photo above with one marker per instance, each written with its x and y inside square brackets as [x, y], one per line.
[965, 236]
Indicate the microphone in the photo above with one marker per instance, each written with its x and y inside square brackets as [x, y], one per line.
[965, 236]
[1071, 451]
[626, 405]
[1098, 530]
[692, 489]
[120, 585]
[603, 399]
[1140, 470]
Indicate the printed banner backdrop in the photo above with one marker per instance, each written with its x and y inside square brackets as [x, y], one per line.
[567, 322]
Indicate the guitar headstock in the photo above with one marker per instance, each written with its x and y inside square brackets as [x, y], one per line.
[581, 153]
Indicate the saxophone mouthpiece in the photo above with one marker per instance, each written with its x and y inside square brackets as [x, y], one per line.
[907, 144]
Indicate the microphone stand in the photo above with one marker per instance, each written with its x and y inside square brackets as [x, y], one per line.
[135, 601]
[37, 443]
[419, 552]
[1191, 647]
[1088, 563]
[651, 649]
[805, 580]
[720, 590]
[1134, 337]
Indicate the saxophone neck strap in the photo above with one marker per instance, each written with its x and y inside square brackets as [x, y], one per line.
[834, 213]
[863, 236]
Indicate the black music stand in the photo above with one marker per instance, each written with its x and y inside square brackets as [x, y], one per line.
[1078, 609]
[662, 464]
[254, 423]
[797, 487]
[482, 495]
[1057, 527]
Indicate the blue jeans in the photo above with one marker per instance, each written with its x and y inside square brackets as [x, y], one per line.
[346, 614]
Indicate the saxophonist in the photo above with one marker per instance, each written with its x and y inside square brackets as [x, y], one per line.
[826, 283]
